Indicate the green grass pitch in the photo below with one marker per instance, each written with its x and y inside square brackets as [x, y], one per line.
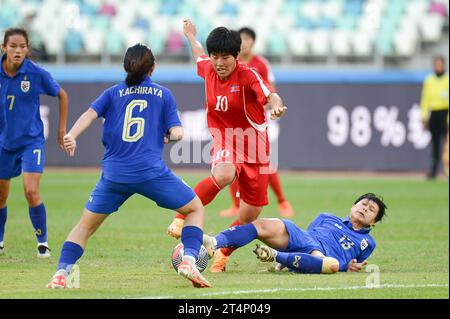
[129, 257]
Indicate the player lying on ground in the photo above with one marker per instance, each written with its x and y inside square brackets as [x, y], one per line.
[138, 114]
[330, 244]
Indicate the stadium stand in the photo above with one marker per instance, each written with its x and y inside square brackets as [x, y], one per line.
[293, 28]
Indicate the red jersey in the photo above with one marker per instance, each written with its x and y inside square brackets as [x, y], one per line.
[235, 111]
[262, 66]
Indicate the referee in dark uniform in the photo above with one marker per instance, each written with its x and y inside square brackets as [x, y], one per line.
[434, 110]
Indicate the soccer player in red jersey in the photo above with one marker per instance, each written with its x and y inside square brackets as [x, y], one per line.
[235, 100]
[262, 66]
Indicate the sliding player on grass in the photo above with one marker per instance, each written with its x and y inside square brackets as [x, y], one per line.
[235, 100]
[330, 244]
[138, 115]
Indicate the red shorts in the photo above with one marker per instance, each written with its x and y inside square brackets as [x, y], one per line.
[253, 178]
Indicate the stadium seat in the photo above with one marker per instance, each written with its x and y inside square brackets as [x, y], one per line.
[73, 42]
[298, 41]
[320, 42]
[94, 42]
[340, 43]
[430, 27]
[382, 22]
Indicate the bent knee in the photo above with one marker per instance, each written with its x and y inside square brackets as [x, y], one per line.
[330, 265]
[264, 226]
[224, 178]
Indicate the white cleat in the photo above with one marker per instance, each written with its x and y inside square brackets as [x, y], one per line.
[43, 250]
[210, 244]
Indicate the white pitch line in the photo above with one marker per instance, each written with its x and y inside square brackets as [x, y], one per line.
[275, 290]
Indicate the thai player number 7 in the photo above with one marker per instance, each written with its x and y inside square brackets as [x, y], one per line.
[38, 152]
[11, 104]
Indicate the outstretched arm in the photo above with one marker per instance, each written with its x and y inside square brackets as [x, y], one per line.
[275, 102]
[83, 122]
[63, 109]
[190, 32]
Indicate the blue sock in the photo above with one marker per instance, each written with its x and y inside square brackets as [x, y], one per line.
[192, 239]
[70, 253]
[38, 217]
[237, 236]
[300, 262]
[3, 215]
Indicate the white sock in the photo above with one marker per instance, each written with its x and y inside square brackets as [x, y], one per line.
[1, 244]
[189, 259]
[45, 244]
[62, 272]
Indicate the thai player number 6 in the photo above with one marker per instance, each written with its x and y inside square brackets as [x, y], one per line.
[130, 121]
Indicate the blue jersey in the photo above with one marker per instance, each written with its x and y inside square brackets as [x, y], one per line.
[20, 119]
[136, 121]
[339, 240]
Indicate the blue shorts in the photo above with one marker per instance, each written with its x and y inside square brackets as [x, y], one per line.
[29, 159]
[168, 191]
[300, 240]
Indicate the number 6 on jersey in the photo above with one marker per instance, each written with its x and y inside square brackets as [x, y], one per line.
[129, 121]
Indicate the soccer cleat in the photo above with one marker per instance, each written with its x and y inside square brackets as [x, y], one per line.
[43, 250]
[190, 271]
[230, 212]
[174, 229]
[220, 262]
[210, 245]
[58, 281]
[286, 209]
[2, 250]
[264, 253]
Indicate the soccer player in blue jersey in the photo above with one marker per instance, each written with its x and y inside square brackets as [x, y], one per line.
[330, 244]
[140, 116]
[22, 131]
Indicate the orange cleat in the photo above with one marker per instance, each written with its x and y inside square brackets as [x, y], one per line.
[230, 212]
[286, 209]
[220, 262]
[57, 282]
[174, 229]
[190, 271]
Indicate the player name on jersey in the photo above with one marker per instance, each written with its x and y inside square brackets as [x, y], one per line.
[140, 90]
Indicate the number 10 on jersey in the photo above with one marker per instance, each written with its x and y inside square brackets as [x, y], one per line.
[129, 121]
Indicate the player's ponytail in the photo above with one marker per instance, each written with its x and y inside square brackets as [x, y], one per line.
[137, 63]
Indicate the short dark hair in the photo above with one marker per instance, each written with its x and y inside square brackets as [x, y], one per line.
[138, 60]
[248, 31]
[223, 40]
[13, 31]
[378, 200]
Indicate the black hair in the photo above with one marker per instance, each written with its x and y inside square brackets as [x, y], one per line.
[138, 60]
[379, 201]
[248, 31]
[15, 31]
[224, 41]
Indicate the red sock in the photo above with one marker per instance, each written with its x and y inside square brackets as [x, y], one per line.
[275, 184]
[206, 190]
[234, 188]
[228, 251]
